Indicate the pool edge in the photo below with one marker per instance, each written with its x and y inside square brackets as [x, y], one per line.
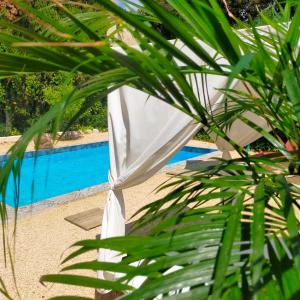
[33, 208]
[41, 152]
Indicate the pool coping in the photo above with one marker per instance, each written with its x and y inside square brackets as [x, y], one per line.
[29, 209]
[41, 152]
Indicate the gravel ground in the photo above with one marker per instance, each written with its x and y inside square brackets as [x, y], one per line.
[44, 237]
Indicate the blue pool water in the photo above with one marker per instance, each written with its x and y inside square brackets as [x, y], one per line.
[64, 170]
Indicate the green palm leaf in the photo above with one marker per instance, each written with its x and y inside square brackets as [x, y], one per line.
[232, 230]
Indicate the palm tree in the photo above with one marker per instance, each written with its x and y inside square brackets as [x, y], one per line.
[244, 245]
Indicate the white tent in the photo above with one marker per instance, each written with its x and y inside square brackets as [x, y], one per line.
[144, 133]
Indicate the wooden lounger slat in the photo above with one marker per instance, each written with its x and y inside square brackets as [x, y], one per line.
[88, 219]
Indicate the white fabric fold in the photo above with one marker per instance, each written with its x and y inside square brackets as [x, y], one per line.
[145, 132]
[239, 132]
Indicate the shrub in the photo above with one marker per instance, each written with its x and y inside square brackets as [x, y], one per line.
[4, 131]
[203, 136]
[23, 99]
[243, 10]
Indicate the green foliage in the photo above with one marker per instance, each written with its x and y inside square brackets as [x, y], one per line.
[4, 131]
[59, 86]
[248, 9]
[271, 12]
[244, 10]
[202, 135]
[25, 98]
[262, 145]
[95, 117]
[232, 230]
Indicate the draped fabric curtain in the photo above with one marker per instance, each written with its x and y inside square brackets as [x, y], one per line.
[239, 132]
[145, 132]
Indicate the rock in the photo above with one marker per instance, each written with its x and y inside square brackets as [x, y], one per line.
[88, 131]
[112, 295]
[70, 135]
[95, 130]
[45, 141]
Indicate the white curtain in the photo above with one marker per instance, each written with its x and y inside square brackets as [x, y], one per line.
[239, 132]
[144, 133]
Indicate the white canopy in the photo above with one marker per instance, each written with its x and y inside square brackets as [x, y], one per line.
[144, 133]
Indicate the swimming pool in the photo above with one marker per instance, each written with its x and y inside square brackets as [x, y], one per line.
[64, 170]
